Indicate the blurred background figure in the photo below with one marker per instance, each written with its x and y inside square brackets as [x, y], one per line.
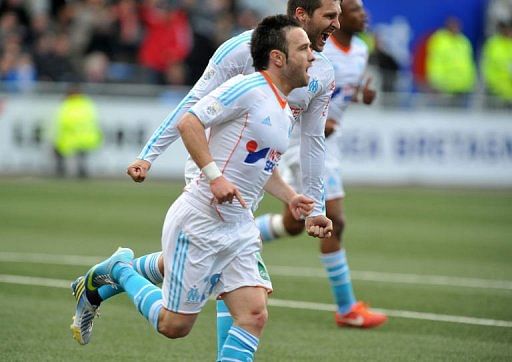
[450, 65]
[76, 131]
[168, 38]
[497, 64]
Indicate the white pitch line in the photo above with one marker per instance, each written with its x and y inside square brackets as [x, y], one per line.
[55, 259]
[439, 280]
[394, 313]
[293, 304]
[288, 271]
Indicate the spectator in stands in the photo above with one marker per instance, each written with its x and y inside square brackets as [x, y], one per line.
[96, 67]
[9, 25]
[450, 67]
[168, 37]
[17, 71]
[128, 31]
[53, 59]
[76, 132]
[89, 18]
[497, 63]
[18, 10]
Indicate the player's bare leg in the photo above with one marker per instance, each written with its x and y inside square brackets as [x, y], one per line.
[248, 307]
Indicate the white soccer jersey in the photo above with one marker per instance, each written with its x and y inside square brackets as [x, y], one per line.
[250, 124]
[309, 105]
[349, 66]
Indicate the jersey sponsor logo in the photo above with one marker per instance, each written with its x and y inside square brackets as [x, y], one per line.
[266, 121]
[270, 156]
[213, 108]
[337, 90]
[272, 160]
[313, 86]
[296, 111]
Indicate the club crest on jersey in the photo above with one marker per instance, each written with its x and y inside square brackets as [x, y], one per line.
[313, 86]
[193, 296]
[270, 156]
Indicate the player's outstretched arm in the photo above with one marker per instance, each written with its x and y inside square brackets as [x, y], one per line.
[194, 139]
[299, 205]
[138, 170]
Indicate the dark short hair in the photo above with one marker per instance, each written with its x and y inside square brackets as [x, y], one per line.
[308, 5]
[270, 34]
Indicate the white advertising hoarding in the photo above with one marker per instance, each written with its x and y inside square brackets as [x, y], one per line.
[380, 146]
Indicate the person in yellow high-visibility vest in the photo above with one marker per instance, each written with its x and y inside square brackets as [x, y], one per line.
[497, 62]
[450, 67]
[77, 131]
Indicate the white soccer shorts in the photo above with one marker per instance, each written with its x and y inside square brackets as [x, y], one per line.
[205, 257]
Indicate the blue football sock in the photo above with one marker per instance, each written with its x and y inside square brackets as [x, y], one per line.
[146, 265]
[264, 224]
[144, 295]
[339, 277]
[240, 346]
[224, 323]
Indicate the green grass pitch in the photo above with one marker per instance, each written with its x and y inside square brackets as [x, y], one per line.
[455, 244]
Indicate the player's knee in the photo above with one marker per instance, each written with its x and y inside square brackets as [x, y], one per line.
[338, 224]
[255, 319]
[174, 330]
[294, 228]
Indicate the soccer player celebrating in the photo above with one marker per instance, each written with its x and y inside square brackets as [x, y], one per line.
[210, 241]
[319, 18]
[349, 56]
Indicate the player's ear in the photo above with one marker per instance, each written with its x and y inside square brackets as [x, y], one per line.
[301, 14]
[277, 57]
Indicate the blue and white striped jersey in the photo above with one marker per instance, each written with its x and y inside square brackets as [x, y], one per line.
[249, 124]
[349, 67]
[309, 105]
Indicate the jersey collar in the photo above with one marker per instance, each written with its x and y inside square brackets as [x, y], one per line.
[282, 101]
[343, 48]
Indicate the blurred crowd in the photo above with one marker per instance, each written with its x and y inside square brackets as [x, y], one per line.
[135, 41]
[170, 42]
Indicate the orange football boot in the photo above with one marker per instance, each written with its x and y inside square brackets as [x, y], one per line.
[360, 316]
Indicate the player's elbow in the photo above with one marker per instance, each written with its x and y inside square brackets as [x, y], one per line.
[183, 124]
[189, 122]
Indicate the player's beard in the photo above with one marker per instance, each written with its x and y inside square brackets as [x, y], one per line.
[297, 76]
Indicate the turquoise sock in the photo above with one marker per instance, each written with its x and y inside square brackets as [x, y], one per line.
[339, 277]
[144, 295]
[240, 346]
[146, 265]
[224, 323]
[263, 223]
